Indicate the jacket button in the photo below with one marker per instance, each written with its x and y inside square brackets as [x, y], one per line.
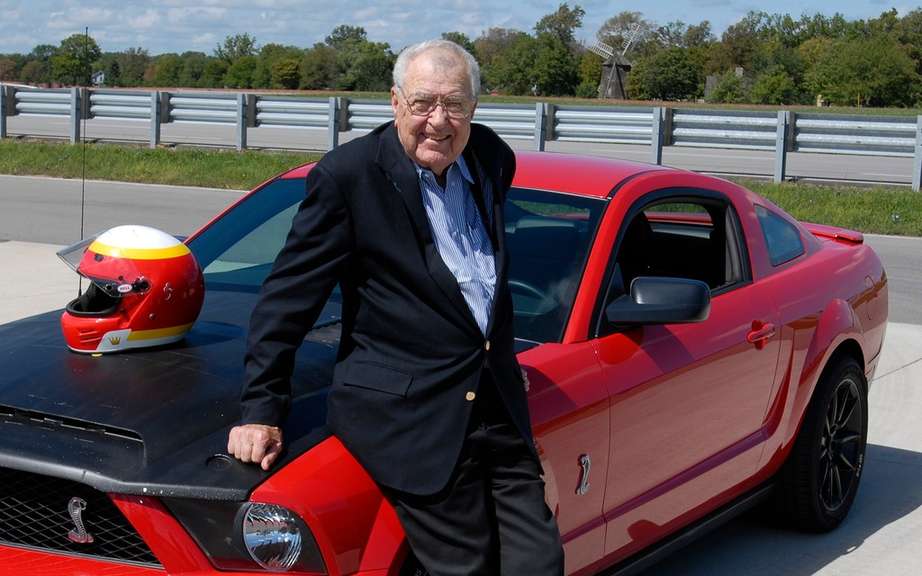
[486, 346]
[470, 396]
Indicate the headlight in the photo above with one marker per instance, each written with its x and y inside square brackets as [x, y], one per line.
[272, 536]
[249, 536]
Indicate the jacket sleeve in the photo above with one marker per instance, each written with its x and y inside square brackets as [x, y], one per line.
[292, 297]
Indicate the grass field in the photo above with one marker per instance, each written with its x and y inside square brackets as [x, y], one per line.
[883, 210]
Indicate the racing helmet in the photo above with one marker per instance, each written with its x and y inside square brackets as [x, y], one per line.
[145, 289]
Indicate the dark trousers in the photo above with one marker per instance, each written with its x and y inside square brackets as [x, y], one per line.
[491, 519]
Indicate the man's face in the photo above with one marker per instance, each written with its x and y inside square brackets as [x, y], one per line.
[435, 140]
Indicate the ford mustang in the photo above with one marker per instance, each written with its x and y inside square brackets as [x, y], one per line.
[692, 351]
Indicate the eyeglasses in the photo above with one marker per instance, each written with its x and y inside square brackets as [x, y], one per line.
[454, 107]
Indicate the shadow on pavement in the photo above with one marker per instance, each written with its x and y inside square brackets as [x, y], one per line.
[889, 491]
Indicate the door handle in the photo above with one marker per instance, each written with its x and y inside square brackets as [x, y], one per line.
[760, 333]
[584, 466]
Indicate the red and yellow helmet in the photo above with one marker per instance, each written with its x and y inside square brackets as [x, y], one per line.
[146, 289]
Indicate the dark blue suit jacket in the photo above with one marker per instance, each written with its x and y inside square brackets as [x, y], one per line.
[410, 349]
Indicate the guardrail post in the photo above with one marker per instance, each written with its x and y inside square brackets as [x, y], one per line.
[74, 115]
[251, 110]
[154, 119]
[86, 109]
[667, 125]
[3, 112]
[656, 137]
[782, 137]
[540, 126]
[917, 170]
[241, 122]
[165, 116]
[333, 122]
[551, 121]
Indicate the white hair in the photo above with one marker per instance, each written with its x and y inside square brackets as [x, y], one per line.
[410, 53]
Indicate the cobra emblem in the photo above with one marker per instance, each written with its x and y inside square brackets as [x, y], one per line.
[75, 507]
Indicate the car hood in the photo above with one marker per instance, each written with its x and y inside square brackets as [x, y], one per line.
[154, 421]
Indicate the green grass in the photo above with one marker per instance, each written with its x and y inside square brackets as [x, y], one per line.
[184, 166]
[879, 209]
[884, 210]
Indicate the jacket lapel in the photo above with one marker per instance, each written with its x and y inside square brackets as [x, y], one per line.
[402, 176]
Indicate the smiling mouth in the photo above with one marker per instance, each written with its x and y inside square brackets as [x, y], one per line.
[436, 138]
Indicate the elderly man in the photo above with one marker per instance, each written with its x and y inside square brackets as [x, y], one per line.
[427, 394]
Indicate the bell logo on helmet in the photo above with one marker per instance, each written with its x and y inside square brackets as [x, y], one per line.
[145, 289]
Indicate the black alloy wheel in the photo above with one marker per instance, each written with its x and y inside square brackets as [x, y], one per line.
[818, 482]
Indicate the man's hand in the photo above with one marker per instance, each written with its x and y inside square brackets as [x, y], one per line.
[256, 443]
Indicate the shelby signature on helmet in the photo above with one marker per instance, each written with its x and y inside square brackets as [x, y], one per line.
[146, 289]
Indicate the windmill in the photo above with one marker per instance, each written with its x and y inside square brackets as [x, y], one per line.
[615, 66]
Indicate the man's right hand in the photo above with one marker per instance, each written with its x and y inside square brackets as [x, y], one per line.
[256, 443]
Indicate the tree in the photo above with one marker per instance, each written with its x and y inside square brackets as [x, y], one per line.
[510, 68]
[214, 73]
[345, 36]
[193, 68]
[730, 89]
[319, 68]
[132, 63]
[590, 73]
[241, 74]
[554, 70]
[72, 61]
[236, 47]
[462, 40]
[665, 75]
[34, 72]
[617, 30]
[774, 87]
[167, 69]
[7, 69]
[865, 72]
[286, 74]
[370, 68]
[562, 23]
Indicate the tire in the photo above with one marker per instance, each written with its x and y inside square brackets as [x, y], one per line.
[819, 480]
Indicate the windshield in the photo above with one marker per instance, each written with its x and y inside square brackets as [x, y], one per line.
[548, 235]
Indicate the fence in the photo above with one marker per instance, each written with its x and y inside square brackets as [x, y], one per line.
[655, 127]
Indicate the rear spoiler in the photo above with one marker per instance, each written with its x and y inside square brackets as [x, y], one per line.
[835, 233]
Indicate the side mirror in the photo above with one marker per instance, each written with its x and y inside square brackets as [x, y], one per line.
[661, 300]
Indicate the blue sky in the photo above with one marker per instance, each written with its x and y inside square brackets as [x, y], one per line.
[177, 26]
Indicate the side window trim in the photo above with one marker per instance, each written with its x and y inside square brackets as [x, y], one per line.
[699, 195]
[783, 258]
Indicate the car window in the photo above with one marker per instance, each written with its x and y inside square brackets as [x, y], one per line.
[681, 237]
[547, 234]
[781, 237]
[237, 251]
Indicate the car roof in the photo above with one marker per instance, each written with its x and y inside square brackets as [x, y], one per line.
[570, 173]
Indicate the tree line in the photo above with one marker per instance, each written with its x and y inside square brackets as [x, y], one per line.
[762, 59]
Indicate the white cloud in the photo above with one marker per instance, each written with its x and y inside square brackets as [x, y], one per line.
[148, 19]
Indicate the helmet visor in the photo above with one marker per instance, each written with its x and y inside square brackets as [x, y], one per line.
[115, 276]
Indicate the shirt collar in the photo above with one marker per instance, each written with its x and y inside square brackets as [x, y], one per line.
[460, 163]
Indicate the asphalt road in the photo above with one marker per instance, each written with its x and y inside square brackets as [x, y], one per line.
[881, 535]
[712, 160]
[47, 210]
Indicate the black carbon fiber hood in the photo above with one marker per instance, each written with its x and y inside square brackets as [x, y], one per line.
[152, 421]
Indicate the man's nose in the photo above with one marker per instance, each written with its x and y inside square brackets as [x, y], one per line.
[438, 116]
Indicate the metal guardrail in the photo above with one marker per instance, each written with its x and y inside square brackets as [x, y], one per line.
[865, 135]
[656, 127]
[724, 129]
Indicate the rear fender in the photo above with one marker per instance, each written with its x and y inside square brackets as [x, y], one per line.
[836, 324]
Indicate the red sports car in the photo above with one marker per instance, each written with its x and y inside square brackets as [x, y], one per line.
[691, 350]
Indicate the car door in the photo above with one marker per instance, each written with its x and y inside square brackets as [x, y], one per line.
[688, 400]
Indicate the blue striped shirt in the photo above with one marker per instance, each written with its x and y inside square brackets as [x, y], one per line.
[460, 235]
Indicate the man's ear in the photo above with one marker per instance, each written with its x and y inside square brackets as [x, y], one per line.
[394, 100]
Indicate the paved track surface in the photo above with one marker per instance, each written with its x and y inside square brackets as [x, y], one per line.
[825, 166]
[881, 536]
